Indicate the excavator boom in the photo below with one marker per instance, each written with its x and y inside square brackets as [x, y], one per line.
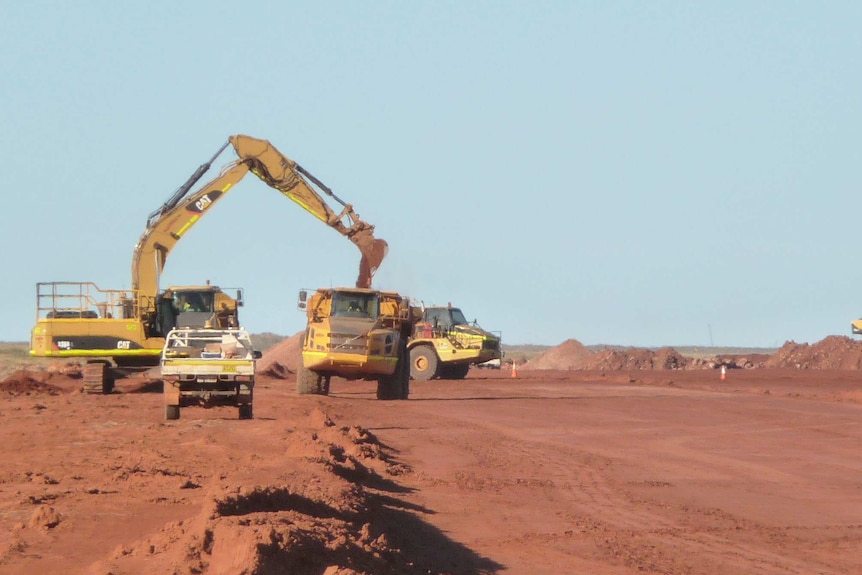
[167, 225]
[285, 175]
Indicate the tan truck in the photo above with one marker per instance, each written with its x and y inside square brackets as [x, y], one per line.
[208, 367]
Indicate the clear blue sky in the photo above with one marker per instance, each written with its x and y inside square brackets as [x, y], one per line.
[634, 173]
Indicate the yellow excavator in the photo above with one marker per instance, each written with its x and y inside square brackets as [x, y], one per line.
[122, 330]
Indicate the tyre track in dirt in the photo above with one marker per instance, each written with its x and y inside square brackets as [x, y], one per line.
[650, 533]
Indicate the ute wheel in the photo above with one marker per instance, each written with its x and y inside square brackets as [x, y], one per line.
[423, 363]
[454, 371]
[246, 411]
[172, 412]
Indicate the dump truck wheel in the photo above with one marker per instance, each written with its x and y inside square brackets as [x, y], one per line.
[397, 385]
[423, 363]
[306, 381]
[404, 378]
[172, 412]
[309, 382]
[454, 371]
[246, 411]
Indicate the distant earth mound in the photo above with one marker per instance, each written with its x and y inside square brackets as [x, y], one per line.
[571, 354]
[637, 358]
[832, 352]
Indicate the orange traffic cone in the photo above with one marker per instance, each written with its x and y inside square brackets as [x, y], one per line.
[514, 368]
[723, 372]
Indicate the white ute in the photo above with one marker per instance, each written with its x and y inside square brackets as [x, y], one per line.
[208, 367]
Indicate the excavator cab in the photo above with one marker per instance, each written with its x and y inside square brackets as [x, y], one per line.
[198, 307]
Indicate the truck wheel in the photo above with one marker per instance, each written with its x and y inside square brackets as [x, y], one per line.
[172, 412]
[423, 363]
[397, 385]
[404, 378]
[454, 371]
[309, 382]
[246, 411]
[388, 387]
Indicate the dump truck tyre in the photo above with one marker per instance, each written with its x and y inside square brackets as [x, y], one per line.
[423, 363]
[388, 387]
[172, 412]
[404, 378]
[397, 385]
[309, 382]
[454, 371]
[306, 381]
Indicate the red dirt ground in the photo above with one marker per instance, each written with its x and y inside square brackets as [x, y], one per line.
[600, 471]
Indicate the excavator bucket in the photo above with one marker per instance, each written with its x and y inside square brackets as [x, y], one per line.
[373, 251]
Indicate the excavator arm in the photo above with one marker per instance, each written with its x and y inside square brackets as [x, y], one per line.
[280, 172]
[167, 225]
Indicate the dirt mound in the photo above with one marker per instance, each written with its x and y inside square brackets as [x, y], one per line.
[636, 358]
[571, 354]
[321, 517]
[282, 359]
[23, 382]
[832, 352]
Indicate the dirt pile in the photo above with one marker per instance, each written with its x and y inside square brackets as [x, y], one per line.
[636, 358]
[832, 352]
[282, 359]
[24, 382]
[324, 515]
[573, 355]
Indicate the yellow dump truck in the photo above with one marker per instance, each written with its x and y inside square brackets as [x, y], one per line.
[357, 334]
[444, 344]
[208, 367]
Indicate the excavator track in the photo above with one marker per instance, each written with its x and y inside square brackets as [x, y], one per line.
[98, 378]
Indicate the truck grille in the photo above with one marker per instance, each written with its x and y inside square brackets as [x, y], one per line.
[491, 344]
[345, 343]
